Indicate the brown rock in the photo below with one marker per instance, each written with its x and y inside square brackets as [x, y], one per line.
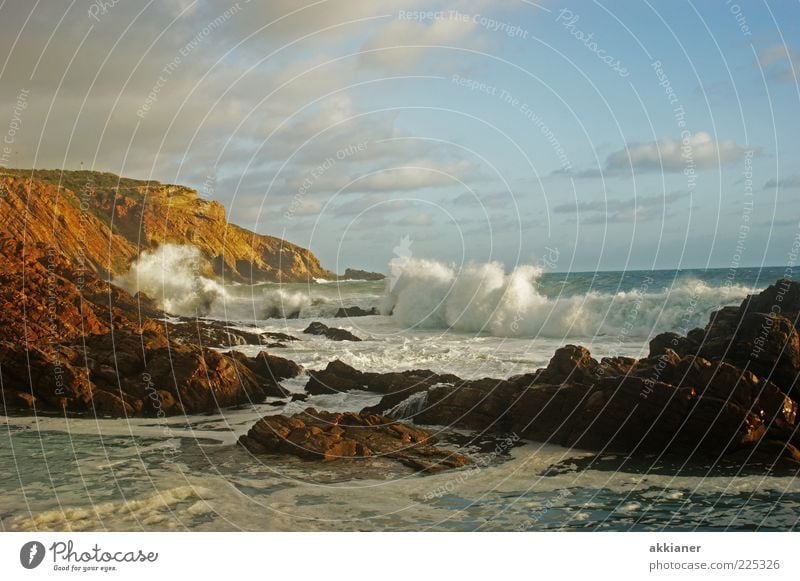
[332, 333]
[326, 436]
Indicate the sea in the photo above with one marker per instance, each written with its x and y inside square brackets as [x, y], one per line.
[187, 473]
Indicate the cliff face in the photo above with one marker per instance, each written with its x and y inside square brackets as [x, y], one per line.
[73, 343]
[102, 222]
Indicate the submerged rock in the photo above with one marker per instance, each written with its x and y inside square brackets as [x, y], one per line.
[343, 312]
[319, 435]
[332, 333]
[339, 377]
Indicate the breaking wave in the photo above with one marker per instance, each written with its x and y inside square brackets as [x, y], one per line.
[483, 298]
[173, 275]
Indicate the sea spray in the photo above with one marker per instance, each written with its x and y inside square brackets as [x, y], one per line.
[173, 275]
[409, 407]
[483, 298]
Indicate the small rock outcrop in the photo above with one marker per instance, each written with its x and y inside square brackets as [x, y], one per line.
[332, 333]
[325, 436]
[356, 274]
[347, 312]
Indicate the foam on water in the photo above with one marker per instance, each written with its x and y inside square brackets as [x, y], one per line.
[483, 298]
[174, 276]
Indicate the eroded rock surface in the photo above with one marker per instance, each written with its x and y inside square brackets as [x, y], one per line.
[319, 435]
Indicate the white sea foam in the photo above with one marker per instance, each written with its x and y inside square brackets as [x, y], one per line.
[483, 298]
[174, 276]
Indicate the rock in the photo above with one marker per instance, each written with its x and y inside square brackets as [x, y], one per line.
[272, 366]
[299, 396]
[335, 378]
[281, 337]
[571, 364]
[107, 353]
[317, 328]
[684, 406]
[209, 333]
[355, 274]
[672, 341]
[355, 312]
[325, 436]
[338, 377]
[51, 208]
[783, 297]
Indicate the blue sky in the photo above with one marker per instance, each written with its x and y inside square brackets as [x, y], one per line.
[621, 134]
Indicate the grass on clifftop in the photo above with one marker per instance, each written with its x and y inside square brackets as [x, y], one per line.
[80, 180]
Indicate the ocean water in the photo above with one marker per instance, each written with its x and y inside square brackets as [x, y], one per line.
[187, 474]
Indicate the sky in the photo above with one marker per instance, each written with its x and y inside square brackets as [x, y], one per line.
[571, 135]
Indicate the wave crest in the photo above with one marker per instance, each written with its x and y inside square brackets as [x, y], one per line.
[483, 298]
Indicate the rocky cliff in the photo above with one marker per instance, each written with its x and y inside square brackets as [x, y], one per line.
[102, 222]
[73, 343]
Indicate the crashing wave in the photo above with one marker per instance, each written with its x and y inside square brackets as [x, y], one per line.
[483, 298]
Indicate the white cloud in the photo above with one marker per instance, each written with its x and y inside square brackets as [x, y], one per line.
[668, 154]
[398, 46]
[788, 182]
[781, 61]
[638, 209]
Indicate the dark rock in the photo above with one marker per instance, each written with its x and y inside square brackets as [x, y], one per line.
[333, 333]
[672, 341]
[570, 364]
[107, 353]
[397, 386]
[317, 435]
[281, 337]
[356, 274]
[781, 297]
[355, 312]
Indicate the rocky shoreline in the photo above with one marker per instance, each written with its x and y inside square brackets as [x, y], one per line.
[77, 345]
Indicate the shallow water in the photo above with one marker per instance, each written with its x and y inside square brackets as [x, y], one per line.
[187, 474]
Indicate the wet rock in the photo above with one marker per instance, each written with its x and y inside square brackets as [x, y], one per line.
[339, 377]
[325, 436]
[332, 333]
[355, 312]
[281, 337]
[107, 353]
[356, 274]
[570, 364]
